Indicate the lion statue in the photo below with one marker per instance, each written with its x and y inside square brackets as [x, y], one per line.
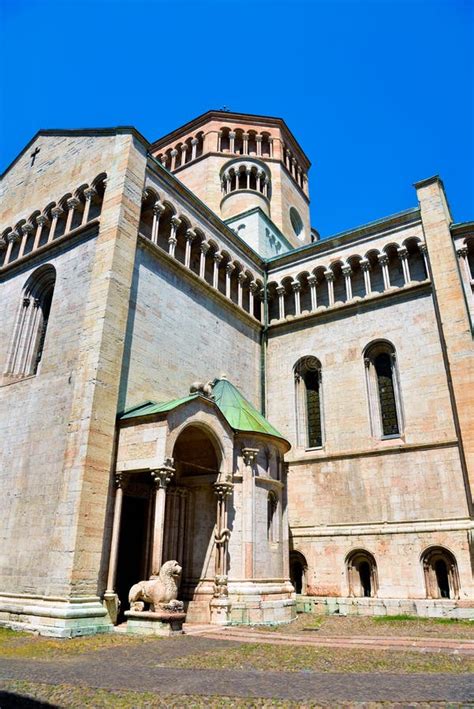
[161, 591]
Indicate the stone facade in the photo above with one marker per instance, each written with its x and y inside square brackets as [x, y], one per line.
[131, 270]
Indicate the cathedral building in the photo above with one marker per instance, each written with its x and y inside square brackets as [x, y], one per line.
[188, 372]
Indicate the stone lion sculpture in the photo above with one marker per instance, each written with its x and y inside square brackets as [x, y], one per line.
[161, 591]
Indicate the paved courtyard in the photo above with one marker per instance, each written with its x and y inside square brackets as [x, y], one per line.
[219, 669]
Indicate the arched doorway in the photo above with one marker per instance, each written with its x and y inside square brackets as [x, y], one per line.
[190, 515]
[298, 570]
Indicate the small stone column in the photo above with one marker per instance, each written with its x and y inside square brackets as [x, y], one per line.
[174, 154]
[258, 140]
[204, 248]
[281, 301]
[248, 171]
[219, 137]
[229, 267]
[232, 141]
[12, 238]
[194, 144]
[72, 203]
[89, 194]
[158, 210]
[296, 286]
[26, 230]
[347, 273]
[329, 276]
[184, 152]
[253, 289]
[403, 255]
[383, 260]
[41, 222]
[114, 543]
[55, 213]
[245, 143]
[190, 236]
[270, 143]
[172, 240]
[241, 280]
[220, 604]
[162, 477]
[424, 251]
[365, 266]
[313, 282]
[217, 257]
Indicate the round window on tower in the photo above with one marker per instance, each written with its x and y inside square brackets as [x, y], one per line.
[297, 223]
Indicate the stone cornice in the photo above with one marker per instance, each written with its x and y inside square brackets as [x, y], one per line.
[462, 228]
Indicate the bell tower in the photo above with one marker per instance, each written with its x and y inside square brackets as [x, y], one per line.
[249, 170]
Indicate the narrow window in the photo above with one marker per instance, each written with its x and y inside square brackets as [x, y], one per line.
[272, 517]
[309, 402]
[29, 337]
[362, 574]
[441, 573]
[383, 390]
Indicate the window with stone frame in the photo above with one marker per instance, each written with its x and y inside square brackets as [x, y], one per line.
[29, 336]
[441, 573]
[383, 390]
[362, 574]
[308, 399]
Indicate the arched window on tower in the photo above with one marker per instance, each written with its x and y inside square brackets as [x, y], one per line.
[29, 337]
[441, 573]
[362, 574]
[308, 400]
[383, 390]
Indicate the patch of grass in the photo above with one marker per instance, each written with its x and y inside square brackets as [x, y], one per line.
[14, 644]
[72, 697]
[411, 618]
[293, 658]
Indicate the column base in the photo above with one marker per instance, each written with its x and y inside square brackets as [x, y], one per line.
[55, 617]
[151, 623]
[220, 611]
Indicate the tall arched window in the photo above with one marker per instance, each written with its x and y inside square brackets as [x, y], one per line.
[383, 390]
[308, 397]
[362, 574]
[32, 322]
[441, 573]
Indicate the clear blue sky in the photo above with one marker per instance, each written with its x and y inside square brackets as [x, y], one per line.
[379, 94]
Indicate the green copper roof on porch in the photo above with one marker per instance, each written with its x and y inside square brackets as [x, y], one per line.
[239, 413]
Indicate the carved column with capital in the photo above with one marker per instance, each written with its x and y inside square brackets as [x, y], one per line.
[194, 144]
[217, 257]
[228, 272]
[26, 230]
[42, 221]
[313, 282]
[89, 195]
[158, 209]
[172, 240]
[403, 255]
[203, 248]
[383, 260]
[365, 266]
[190, 236]
[114, 543]
[281, 301]
[347, 273]
[329, 276]
[55, 213]
[296, 286]
[161, 477]
[72, 204]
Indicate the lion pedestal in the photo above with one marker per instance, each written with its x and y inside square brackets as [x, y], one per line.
[165, 615]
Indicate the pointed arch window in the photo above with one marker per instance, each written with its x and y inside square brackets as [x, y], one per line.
[383, 390]
[29, 337]
[309, 400]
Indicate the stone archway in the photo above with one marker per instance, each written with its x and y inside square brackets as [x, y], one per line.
[190, 513]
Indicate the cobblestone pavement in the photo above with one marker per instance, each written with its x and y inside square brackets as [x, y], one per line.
[141, 668]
